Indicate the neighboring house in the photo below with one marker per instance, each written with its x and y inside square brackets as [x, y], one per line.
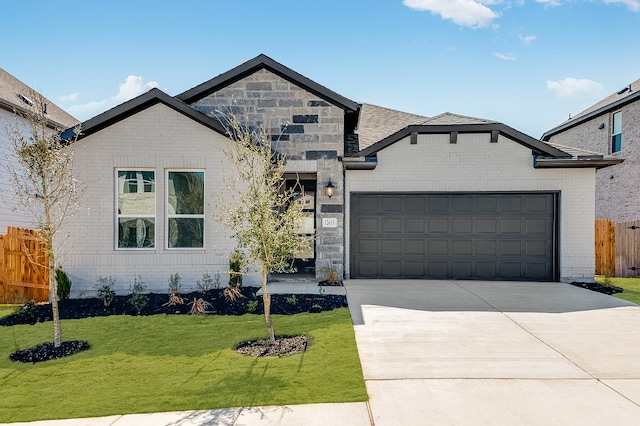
[414, 197]
[15, 98]
[612, 127]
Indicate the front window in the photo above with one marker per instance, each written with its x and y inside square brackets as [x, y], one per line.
[136, 209]
[185, 209]
[616, 132]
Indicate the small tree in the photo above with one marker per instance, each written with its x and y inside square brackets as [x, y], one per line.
[43, 183]
[263, 214]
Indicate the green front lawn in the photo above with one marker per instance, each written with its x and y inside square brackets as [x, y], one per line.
[631, 288]
[7, 309]
[175, 363]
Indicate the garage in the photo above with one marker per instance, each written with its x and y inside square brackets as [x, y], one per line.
[488, 236]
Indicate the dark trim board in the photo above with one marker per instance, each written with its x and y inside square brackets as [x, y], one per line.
[466, 235]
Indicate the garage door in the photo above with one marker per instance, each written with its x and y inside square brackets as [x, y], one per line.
[502, 236]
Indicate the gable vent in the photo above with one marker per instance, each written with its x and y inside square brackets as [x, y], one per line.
[26, 100]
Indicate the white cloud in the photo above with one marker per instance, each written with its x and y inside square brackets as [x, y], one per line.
[576, 88]
[133, 86]
[552, 3]
[632, 5]
[71, 97]
[527, 39]
[505, 57]
[468, 13]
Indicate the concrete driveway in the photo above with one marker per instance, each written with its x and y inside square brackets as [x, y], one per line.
[496, 353]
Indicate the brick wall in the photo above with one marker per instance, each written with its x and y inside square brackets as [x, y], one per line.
[158, 138]
[308, 129]
[617, 187]
[474, 164]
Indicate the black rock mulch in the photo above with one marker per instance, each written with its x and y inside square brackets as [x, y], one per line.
[600, 288]
[47, 351]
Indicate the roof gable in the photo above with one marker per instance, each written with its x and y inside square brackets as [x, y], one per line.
[627, 95]
[449, 123]
[259, 62]
[140, 103]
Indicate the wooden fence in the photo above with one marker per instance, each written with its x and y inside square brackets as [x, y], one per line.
[23, 276]
[618, 248]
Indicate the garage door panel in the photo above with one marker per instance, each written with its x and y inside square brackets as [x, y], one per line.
[483, 236]
[438, 226]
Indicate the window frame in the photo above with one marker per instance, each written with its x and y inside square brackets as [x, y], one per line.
[169, 216]
[615, 134]
[118, 215]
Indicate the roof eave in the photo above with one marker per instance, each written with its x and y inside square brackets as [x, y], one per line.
[593, 114]
[142, 102]
[255, 64]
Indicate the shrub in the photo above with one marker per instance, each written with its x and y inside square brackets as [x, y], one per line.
[174, 288]
[237, 263]
[29, 310]
[64, 284]
[331, 275]
[208, 282]
[106, 295]
[138, 299]
[252, 306]
[291, 299]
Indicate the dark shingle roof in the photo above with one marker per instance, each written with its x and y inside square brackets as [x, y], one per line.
[14, 95]
[376, 123]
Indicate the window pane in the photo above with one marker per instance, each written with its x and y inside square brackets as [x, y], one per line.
[186, 232]
[616, 142]
[136, 193]
[186, 193]
[617, 123]
[136, 232]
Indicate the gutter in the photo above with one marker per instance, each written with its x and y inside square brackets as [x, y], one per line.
[359, 163]
[574, 163]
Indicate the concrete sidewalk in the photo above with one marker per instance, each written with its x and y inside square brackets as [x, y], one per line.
[469, 353]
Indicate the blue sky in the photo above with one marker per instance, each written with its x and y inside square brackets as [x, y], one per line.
[526, 63]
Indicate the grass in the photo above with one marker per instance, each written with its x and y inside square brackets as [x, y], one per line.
[631, 288]
[7, 310]
[175, 363]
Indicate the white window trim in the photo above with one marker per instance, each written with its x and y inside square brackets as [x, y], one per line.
[143, 216]
[169, 216]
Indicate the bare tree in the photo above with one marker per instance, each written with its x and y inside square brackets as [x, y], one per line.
[43, 183]
[262, 213]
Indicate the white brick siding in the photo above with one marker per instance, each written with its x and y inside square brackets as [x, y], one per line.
[474, 164]
[158, 138]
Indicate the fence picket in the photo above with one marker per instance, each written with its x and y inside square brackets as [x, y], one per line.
[23, 274]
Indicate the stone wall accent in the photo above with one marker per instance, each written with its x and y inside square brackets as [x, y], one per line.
[617, 187]
[303, 127]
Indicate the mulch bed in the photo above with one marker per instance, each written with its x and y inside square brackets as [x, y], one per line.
[281, 304]
[600, 288]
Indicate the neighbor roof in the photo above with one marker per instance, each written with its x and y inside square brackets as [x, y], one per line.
[140, 103]
[15, 96]
[259, 62]
[376, 123]
[628, 94]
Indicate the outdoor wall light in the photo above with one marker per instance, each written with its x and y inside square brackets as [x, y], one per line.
[601, 126]
[329, 189]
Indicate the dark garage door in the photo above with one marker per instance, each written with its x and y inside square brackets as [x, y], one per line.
[502, 236]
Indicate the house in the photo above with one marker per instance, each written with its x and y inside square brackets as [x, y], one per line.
[15, 97]
[612, 127]
[411, 196]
